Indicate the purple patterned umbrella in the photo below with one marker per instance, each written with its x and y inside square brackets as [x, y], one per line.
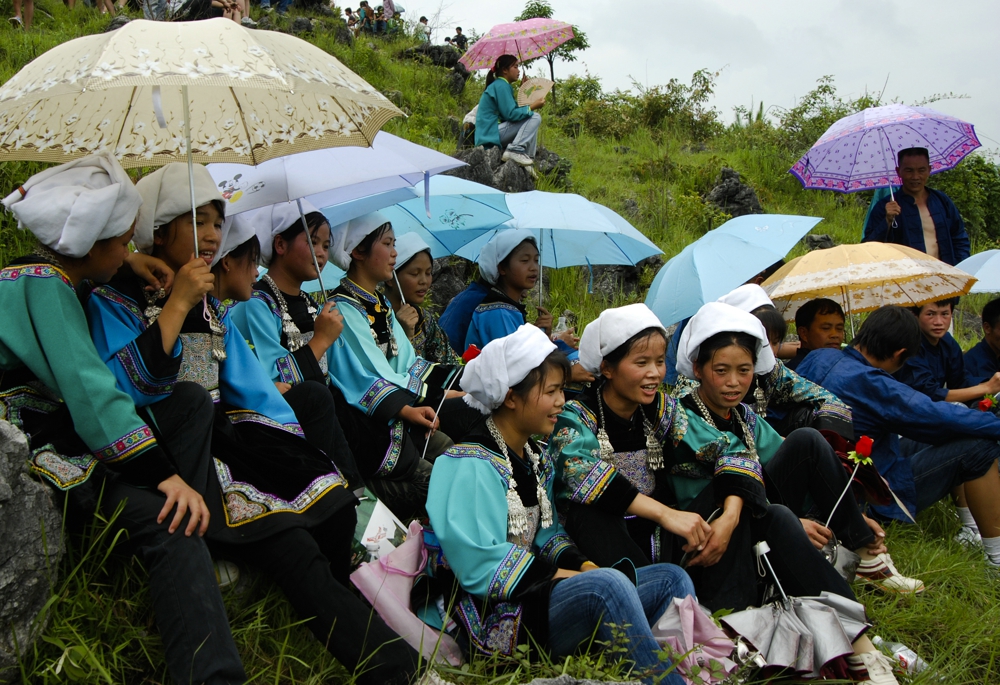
[859, 152]
[525, 40]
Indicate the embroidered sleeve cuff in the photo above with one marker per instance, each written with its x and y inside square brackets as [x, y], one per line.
[151, 371]
[514, 568]
[538, 572]
[147, 469]
[308, 365]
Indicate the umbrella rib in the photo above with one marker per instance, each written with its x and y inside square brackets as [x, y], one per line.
[128, 109]
[246, 129]
[360, 125]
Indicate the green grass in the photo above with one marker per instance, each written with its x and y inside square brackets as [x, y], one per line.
[101, 625]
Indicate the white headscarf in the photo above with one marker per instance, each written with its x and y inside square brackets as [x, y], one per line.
[408, 246]
[747, 297]
[236, 230]
[504, 362]
[495, 251]
[347, 236]
[270, 221]
[717, 317]
[610, 330]
[71, 206]
[166, 194]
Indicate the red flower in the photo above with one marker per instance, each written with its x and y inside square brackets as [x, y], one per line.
[985, 404]
[864, 446]
[471, 353]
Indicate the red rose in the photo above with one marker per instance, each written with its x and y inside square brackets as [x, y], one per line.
[985, 404]
[864, 446]
[471, 353]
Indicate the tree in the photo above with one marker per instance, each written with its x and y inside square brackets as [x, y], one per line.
[541, 9]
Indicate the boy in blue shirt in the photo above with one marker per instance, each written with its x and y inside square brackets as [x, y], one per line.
[982, 362]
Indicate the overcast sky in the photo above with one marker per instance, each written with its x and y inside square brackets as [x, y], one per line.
[774, 50]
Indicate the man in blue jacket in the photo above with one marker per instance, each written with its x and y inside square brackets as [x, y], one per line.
[925, 219]
[922, 448]
[982, 362]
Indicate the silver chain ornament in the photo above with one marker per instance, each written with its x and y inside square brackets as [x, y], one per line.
[751, 442]
[654, 450]
[288, 327]
[517, 515]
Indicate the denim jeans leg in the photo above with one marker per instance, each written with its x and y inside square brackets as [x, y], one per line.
[938, 468]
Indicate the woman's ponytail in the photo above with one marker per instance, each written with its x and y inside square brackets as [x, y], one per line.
[503, 63]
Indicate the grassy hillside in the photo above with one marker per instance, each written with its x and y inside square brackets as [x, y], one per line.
[651, 155]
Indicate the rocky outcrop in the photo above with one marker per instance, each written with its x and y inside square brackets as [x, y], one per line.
[733, 196]
[301, 26]
[614, 280]
[31, 547]
[821, 241]
[451, 275]
[442, 56]
[553, 166]
[484, 166]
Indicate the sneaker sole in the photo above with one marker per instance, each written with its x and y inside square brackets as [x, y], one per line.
[891, 590]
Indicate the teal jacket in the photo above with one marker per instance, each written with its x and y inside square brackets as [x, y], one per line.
[497, 104]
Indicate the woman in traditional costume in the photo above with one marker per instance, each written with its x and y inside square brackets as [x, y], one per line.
[279, 502]
[387, 395]
[407, 293]
[85, 436]
[491, 513]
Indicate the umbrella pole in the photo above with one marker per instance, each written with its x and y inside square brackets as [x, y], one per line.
[761, 549]
[850, 314]
[398, 288]
[194, 210]
[312, 250]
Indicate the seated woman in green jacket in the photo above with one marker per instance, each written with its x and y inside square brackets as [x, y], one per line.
[500, 122]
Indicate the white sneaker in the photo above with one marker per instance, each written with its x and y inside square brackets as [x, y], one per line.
[969, 537]
[517, 157]
[227, 574]
[248, 23]
[878, 665]
[432, 677]
[882, 573]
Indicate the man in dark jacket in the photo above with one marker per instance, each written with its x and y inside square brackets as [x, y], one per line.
[925, 219]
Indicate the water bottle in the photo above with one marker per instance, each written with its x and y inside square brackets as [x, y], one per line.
[560, 325]
[903, 655]
[372, 549]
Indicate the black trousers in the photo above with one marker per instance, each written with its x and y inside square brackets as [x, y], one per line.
[807, 477]
[317, 414]
[606, 538]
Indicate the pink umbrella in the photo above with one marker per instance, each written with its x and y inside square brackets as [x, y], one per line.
[525, 40]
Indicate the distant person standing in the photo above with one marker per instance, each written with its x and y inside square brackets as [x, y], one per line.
[423, 30]
[29, 13]
[925, 219]
[460, 41]
[500, 122]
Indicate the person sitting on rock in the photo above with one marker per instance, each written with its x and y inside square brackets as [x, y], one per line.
[500, 122]
[819, 323]
[982, 362]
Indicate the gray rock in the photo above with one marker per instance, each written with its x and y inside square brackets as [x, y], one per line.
[301, 25]
[438, 55]
[630, 207]
[611, 281]
[116, 23]
[733, 196]
[343, 35]
[265, 23]
[551, 164]
[451, 275]
[28, 515]
[822, 241]
[395, 96]
[484, 166]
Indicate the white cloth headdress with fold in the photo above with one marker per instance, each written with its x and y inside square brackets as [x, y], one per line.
[71, 206]
[610, 330]
[270, 221]
[408, 246]
[166, 194]
[347, 236]
[236, 230]
[718, 317]
[495, 251]
[747, 297]
[504, 362]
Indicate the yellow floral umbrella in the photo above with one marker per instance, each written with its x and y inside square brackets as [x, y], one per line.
[865, 277]
[253, 96]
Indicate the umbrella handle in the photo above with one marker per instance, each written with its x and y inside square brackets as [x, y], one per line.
[194, 210]
[760, 550]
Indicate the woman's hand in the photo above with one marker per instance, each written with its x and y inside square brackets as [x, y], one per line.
[718, 543]
[420, 416]
[578, 374]
[282, 387]
[565, 573]
[188, 501]
[878, 546]
[408, 318]
[191, 284]
[818, 534]
[544, 320]
[152, 270]
[328, 327]
[688, 525]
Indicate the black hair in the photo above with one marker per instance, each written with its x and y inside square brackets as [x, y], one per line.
[503, 63]
[821, 306]
[458, 28]
[556, 360]
[365, 246]
[615, 356]
[774, 323]
[313, 220]
[991, 313]
[950, 301]
[886, 330]
[505, 262]
[422, 18]
[912, 152]
[248, 250]
[725, 339]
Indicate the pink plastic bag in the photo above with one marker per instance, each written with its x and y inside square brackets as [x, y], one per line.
[387, 584]
[687, 629]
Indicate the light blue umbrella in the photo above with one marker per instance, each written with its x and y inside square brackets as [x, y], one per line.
[986, 267]
[721, 260]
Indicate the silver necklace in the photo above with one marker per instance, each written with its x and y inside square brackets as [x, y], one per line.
[288, 326]
[748, 436]
[517, 515]
[654, 450]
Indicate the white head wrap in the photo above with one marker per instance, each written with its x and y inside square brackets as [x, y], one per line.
[495, 251]
[347, 236]
[504, 362]
[747, 297]
[408, 246]
[236, 230]
[166, 194]
[270, 221]
[717, 317]
[71, 206]
[607, 332]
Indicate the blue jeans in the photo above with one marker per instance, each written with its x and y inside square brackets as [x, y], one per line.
[521, 136]
[938, 468]
[595, 599]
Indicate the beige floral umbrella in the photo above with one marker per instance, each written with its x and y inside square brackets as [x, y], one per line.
[865, 277]
[253, 96]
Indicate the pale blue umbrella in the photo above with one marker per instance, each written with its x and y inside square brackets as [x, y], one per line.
[722, 260]
[986, 267]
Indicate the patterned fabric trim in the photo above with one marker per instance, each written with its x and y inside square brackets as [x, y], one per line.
[131, 361]
[246, 415]
[288, 370]
[634, 467]
[837, 409]
[740, 465]
[394, 450]
[342, 299]
[378, 391]
[244, 503]
[420, 369]
[127, 446]
[62, 471]
[556, 545]
[587, 416]
[476, 451]
[266, 298]
[498, 633]
[358, 292]
[496, 306]
[40, 270]
[594, 483]
[664, 415]
[509, 572]
[127, 303]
